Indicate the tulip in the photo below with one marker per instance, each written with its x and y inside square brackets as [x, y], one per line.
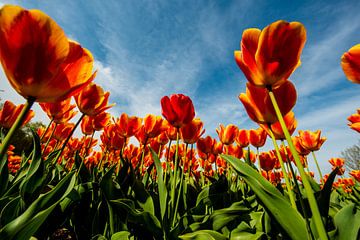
[311, 141]
[267, 160]
[263, 58]
[191, 132]
[63, 130]
[354, 120]
[257, 137]
[101, 120]
[86, 126]
[355, 174]
[92, 100]
[276, 129]
[128, 126]
[59, 112]
[205, 145]
[153, 125]
[350, 63]
[10, 112]
[178, 110]
[242, 138]
[258, 104]
[234, 150]
[227, 134]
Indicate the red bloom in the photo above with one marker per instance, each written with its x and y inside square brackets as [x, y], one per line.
[10, 112]
[227, 134]
[178, 110]
[311, 141]
[257, 137]
[350, 63]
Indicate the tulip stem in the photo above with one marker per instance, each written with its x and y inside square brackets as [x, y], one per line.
[48, 141]
[175, 175]
[317, 166]
[287, 181]
[68, 138]
[47, 128]
[19, 121]
[309, 192]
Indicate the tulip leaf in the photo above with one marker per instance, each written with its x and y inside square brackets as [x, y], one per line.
[203, 235]
[4, 174]
[161, 185]
[143, 197]
[347, 222]
[123, 235]
[110, 188]
[324, 198]
[288, 218]
[24, 226]
[35, 178]
[144, 218]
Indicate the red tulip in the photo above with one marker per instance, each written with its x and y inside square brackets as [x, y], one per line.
[178, 110]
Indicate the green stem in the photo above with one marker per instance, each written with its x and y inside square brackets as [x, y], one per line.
[317, 166]
[48, 141]
[19, 121]
[309, 192]
[68, 138]
[180, 189]
[47, 128]
[175, 174]
[287, 181]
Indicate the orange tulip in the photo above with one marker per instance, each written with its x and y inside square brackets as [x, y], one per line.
[299, 148]
[257, 137]
[171, 131]
[337, 162]
[258, 105]
[38, 59]
[101, 120]
[263, 58]
[290, 123]
[227, 134]
[10, 112]
[128, 126]
[267, 160]
[242, 138]
[205, 145]
[59, 112]
[63, 130]
[192, 131]
[311, 141]
[355, 174]
[350, 63]
[354, 120]
[251, 155]
[153, 125]
[178, 110]
[86, 125]
[234, 150]
[92, 100]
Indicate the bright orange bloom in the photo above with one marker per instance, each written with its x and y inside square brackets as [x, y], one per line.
[258, 105]
[354, 120]
[192, 131]
[86, 125]
[263, 58]
[171, 131]
[355, 174]
[311, 141]
[257, 137]
[242, 138]
[59, 112]
[92, 100]
[101, 120]
[128, 126]
[267, 160]
[63, 130]
[227, 134]
[178, 110]
[38, 59]
[234, 150]
[162, 138]
[337, 162]
[217, 147]
[290, 122]
[251, 155]
[205, 145]
[299, 148]
[153, 125]
[350, 63]
[10, 112]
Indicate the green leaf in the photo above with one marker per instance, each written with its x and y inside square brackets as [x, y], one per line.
[143, 197]
[11, 210]
[161, 185]
[110, 188]
[24, 226]
[33, 183]
[148, 220]
[347, 222]
[324, 198]
[288, 218]
[4, 174]
[203, 235]
[123, 235]
[243, 235]
[222, 217]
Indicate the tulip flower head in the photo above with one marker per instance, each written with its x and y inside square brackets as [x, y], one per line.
[350, 63]
[311, 141]
[242, 138]
[227, 134]
[191, 132]
[38, 59]
[178, 110]
[10, 112]
[264, 59]
[257, 137]
[354, 120]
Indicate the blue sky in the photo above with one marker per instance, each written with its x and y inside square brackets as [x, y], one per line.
[147, 49]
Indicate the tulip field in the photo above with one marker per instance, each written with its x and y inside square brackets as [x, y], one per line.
[162, 177]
